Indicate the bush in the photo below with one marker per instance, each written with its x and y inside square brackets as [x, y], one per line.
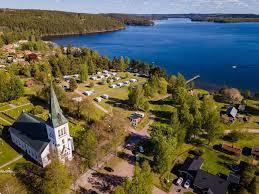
[197, 152]
[37, 110]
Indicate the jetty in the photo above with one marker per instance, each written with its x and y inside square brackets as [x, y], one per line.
[192, 79]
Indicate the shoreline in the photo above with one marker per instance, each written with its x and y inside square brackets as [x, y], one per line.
[50, 36]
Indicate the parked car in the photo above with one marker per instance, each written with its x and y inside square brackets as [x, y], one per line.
[179, 181]
[187, 184]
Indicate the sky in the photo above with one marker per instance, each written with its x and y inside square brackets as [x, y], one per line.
[138, 6]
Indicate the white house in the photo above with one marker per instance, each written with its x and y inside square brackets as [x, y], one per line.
[39, 138]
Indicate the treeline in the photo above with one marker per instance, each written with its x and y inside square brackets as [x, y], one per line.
[133, 20]
[45, 23]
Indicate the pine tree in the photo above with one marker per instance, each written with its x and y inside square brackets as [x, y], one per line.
[83, 72]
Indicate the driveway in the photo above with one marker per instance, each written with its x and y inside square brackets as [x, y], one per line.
[178, 189]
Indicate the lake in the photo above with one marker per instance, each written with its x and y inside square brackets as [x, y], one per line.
[179, 45]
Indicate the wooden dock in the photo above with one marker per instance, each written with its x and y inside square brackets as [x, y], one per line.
[192, 79]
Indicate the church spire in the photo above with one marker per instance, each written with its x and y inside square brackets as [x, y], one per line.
[56, 117]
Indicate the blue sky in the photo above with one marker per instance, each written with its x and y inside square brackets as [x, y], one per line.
[138, 6]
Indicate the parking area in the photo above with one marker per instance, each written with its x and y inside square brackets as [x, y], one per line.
[181, 186]
[179, 189]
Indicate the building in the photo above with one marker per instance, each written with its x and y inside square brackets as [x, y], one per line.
[231, 112]
[40, 139]
[134, 120]
[190, 167]
[231, 149]
[205, 182]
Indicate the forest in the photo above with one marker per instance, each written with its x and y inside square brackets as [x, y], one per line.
[55, 22]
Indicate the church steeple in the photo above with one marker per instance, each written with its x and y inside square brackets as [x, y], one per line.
[56, 117]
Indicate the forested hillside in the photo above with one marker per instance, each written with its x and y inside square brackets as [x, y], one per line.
[55, 22]
[133, 19]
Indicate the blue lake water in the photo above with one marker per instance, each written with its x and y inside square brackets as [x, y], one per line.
[179, 45]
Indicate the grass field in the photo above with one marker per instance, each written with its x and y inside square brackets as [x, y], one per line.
[217, 162]
[7, 153]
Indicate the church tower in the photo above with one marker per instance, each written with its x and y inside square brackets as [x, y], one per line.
[58, 130]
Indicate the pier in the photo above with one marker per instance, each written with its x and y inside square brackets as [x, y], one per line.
[192, 79]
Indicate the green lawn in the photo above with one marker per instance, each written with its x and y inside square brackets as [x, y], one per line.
[20, 101]
[15, 113]
[7, 153]
[5, 107]
[217, 162]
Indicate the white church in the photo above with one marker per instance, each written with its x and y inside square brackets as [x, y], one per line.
[39, 138]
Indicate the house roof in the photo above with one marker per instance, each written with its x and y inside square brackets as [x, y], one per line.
[232, 111]
[209, 182]
[231, 148]
[56, 118]
[192, 164]
[31, 130]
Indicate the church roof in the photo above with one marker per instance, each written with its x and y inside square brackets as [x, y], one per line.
[32, 131]
[56, 118]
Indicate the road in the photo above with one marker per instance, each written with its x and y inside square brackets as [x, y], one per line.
[136, 136]
[253, 131]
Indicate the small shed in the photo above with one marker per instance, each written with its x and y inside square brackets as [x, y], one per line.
[134, 119]
[231, 112]
[231, 149]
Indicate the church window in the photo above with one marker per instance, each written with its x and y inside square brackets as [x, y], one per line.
[59, 133]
